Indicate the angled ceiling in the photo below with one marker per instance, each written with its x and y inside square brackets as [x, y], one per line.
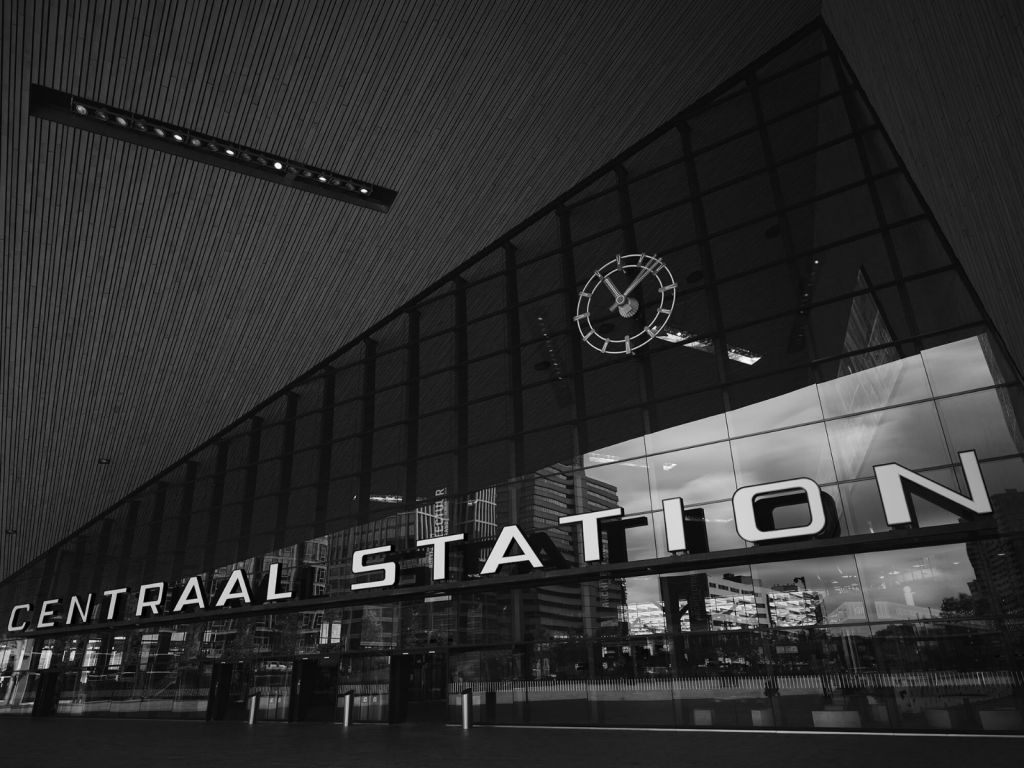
[146, 300]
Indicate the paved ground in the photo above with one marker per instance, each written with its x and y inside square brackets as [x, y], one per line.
[83, 743]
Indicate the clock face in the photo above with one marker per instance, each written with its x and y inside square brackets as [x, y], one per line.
[625, 304]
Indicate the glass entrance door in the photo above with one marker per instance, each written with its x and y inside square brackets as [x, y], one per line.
[419, 683]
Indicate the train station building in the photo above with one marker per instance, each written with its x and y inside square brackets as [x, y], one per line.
[724, 431]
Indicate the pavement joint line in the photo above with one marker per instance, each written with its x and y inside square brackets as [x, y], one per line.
[749, 731]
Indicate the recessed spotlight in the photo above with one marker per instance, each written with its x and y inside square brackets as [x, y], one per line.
[277, 165]
[140, 126]
[307, 174]
[178, 137]
[159, 132]
[246, 156]
[229, 152]
[321, 178]
[213, 147]
[81, 109]
[364, 190]
[121, 121]
[101, 114]
[262, 161]
[195, 142]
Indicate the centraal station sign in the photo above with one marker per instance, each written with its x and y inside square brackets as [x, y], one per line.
[753, 508]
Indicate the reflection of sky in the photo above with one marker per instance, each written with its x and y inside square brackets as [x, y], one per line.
[630, 479]
[797, 407]
[959, 366]
[910, 435]
[643, 589]
[789, 453]
[707, 430]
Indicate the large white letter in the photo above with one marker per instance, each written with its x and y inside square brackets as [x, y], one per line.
[499, 554]
[675, 531]
[236, 588]
[193, 594]
[45, 613]
[390, 570]
[746, 523]
[83, 611]
[591, 532]
[152, 604]
[113, 594]
[14, 612]
[440, 559]
[893, 479]
[272, 592]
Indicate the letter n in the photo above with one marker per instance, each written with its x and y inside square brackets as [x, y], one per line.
[896, 484]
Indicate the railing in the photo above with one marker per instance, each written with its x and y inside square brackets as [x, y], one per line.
[926, 701]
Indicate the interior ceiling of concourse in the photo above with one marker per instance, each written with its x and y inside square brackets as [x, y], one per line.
[148, 300]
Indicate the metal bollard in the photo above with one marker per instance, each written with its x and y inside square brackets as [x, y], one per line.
[254, 703]
[467, 709]
[346, 717]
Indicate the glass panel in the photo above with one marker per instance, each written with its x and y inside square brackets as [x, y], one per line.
[909, 435]
[694, 475]
[797, 407]
[789, 453]
[929, 582]
[708, 430]
[804, 593]
[873, 380]
[971, 363]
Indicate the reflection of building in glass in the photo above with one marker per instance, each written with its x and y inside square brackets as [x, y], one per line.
[304, 572]
[697, 602]
[998, 564]
[564, 610]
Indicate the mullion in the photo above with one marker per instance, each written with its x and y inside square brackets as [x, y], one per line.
[514, 342]
[213, 515]
[629, 238]
[412, 406]
[706, 259]
[249, 490]
[287, 460]
[581, 437]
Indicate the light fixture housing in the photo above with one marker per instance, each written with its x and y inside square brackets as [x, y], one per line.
[70, 110]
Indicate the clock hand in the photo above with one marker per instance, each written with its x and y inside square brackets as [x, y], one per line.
[619, 298]
[636, 281]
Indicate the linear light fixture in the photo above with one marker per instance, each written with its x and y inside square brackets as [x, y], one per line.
[60, 107]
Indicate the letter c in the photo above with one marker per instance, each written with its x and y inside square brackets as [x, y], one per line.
[14, 612]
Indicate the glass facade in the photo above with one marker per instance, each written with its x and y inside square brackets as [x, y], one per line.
[820, 329]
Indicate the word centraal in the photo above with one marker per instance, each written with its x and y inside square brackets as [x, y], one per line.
[753, 508]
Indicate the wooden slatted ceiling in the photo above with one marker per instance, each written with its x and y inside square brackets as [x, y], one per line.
[147, 301]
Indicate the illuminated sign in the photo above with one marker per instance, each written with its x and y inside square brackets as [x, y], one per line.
[754, 509]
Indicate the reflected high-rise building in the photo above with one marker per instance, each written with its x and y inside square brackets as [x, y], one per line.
[562, 611]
